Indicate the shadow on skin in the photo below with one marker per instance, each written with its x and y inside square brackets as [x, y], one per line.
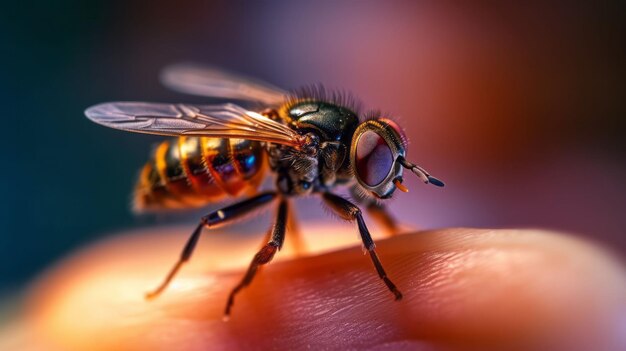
[463, 289]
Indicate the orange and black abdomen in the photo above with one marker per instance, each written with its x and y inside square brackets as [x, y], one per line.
[194, 171]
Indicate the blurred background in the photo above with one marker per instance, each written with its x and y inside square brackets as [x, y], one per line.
[518, 108]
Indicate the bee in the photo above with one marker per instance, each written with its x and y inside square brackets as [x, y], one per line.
[312, 141]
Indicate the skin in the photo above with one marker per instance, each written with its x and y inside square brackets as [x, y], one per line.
[464, 289]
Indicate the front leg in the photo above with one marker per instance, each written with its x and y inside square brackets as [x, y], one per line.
[379, 212]
[350, 212]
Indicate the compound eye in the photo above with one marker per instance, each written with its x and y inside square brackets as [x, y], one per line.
[374, 158]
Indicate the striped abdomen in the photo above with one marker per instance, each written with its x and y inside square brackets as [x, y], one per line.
[194, 171]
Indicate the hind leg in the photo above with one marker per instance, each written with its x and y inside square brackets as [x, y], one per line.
[213, 219]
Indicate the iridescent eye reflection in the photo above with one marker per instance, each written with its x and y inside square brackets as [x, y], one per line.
[374, 158]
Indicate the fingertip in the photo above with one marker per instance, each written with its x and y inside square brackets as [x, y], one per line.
[461, 285]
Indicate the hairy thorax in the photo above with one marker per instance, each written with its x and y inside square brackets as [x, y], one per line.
[316, 167]
[323, 161]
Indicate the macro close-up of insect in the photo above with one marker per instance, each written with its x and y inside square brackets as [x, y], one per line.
[269, 175]
[312, 142]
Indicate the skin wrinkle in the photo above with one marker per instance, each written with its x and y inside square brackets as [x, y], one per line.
[462, 287]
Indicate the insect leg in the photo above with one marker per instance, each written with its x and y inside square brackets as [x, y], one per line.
[350, 212]
[213, 219]
[379, 213]
[265, 254]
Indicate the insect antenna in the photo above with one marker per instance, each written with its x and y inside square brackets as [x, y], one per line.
[420, 172]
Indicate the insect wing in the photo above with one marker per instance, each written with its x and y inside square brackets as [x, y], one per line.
[222, 120]
[208, 81]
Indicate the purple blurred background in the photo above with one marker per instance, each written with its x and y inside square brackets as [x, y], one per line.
[518, 108]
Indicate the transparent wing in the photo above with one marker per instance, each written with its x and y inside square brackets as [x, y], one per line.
[223, 120]
[208, 81]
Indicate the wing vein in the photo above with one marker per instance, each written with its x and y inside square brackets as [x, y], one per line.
[222, 120]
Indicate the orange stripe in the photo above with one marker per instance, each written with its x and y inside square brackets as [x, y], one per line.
[197, 173]
[184, 161]
[208, 153]
[233, 157]
[237, 182]
[144, 179]
[172, 198]
[168, 199]
[159, 159]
